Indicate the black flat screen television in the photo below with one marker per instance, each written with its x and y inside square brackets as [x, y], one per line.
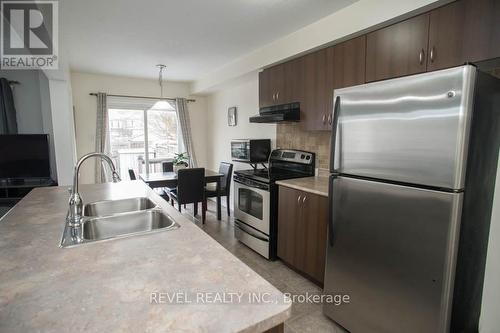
[24, 156]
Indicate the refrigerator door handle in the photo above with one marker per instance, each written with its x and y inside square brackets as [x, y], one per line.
[331, 234]
[333, 142]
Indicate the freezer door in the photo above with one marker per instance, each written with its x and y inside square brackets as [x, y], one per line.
[412, 129]
[392, 249]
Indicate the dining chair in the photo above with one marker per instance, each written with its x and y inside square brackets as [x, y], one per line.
[168, 166]
[190, 189]
[131, 174]
[211, 189]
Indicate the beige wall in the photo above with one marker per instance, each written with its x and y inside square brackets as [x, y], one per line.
[489, 321]
[245, 96]
[85, 110]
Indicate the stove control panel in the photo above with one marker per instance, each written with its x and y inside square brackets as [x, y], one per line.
[291, 155]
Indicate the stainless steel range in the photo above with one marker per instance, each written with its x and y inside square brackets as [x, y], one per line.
[256, 198]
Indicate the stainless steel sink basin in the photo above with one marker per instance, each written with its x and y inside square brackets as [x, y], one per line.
[111, 207]
[123, 225]
[111, 219]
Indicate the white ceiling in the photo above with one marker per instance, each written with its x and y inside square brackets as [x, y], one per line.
[192, 37]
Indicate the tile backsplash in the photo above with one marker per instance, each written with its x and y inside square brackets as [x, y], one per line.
[291, 135]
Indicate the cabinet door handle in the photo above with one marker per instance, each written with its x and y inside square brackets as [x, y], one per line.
[274, 96]
[421, 56]
[298, 199]
[432, 54]
[330, 119]
[304, 199]
[278, 95]
[324, 119]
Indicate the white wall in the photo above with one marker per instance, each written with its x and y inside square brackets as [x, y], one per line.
[490, 320]
[63, 128]
[245, 96]
[46, 111]
[85, 110]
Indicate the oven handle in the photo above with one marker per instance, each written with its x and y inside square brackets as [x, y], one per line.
[251, 184]
[247, 231]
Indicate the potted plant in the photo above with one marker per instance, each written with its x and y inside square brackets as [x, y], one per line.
[180, 161]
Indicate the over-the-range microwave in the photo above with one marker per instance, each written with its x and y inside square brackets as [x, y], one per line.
[250, 150]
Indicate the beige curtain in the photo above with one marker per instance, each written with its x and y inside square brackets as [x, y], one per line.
[101, 137]
[183, 115]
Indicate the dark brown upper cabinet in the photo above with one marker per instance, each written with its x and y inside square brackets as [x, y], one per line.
[398, 50]
[336, 67]
[308, 114]
[481, 30]
[349, 63]
[265, 88]
[277, 83]
[317, 86]
[446, 36]
[271, 85]
[294, 73]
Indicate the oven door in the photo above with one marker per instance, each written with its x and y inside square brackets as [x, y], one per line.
[240, 150]
[252, 204]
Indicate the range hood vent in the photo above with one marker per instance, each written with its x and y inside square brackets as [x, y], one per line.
[278, 113]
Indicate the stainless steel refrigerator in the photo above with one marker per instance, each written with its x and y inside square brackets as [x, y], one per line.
[413, 165]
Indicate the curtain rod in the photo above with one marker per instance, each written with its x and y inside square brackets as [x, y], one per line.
[148, 97]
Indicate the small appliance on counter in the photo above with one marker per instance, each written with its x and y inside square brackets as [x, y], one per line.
[251, 151]
[256, 198]
[278, 113]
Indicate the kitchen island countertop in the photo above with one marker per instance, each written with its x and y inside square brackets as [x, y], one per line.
[124, 285]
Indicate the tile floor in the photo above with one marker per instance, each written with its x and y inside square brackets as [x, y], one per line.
[305, 317]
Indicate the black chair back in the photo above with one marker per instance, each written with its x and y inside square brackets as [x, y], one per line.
[168, 166]
[190, 185]
[227, 170]
[131, 174]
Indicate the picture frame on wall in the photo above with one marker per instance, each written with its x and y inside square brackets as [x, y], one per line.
[231, 116]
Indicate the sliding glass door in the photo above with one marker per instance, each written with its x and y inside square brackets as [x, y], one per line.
[141, 138]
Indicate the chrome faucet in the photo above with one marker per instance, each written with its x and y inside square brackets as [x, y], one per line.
[75, 201]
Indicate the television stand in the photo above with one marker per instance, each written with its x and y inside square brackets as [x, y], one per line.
[14, 189]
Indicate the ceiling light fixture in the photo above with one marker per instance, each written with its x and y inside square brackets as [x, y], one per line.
[162, 104]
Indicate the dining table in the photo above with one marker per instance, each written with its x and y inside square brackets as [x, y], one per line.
[169, 179]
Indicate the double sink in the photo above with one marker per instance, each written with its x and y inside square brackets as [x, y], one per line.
[111, 219]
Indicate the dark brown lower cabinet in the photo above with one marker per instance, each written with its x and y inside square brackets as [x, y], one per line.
[302, 231]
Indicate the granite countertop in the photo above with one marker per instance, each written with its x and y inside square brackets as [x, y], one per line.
[109, 286]
[316, 185]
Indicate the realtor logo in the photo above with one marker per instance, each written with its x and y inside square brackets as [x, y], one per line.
[29, 36]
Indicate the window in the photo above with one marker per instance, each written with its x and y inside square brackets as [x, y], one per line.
[132, 123]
